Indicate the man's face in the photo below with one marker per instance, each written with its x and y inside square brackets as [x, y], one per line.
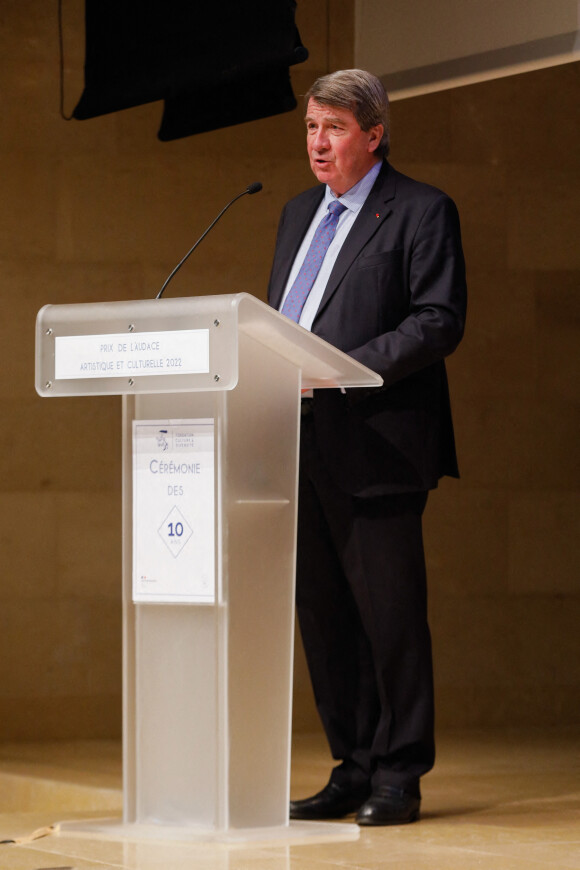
[340, 152]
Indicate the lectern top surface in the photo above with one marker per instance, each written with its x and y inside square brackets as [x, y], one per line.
[175, 345]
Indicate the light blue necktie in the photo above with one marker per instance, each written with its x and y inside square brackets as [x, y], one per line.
[298, 293]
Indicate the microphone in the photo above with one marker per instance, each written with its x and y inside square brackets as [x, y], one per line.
[255, 187]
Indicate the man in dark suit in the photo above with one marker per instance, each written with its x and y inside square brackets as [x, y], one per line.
[388, 288]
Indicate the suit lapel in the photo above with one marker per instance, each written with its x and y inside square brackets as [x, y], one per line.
[374, 212]
[295, 229]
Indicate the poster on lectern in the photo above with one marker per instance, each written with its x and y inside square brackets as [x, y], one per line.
[173, 511]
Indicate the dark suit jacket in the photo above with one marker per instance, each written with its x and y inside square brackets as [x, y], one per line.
[396, 302]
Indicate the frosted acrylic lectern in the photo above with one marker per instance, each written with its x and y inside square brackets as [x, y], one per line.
[211, 410]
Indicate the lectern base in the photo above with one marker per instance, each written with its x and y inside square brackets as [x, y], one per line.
[292, 834]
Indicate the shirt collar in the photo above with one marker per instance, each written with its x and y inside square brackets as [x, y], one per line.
[354, 198]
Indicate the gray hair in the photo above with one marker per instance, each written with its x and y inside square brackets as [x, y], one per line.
[362, 94]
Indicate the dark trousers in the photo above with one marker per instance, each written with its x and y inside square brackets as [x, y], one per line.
[362, 608]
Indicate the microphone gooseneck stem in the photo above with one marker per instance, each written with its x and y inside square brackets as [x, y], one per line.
[255, 187]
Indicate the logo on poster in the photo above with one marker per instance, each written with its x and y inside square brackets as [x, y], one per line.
[162, 441]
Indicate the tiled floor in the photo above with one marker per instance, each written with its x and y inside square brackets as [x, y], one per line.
[502, 801]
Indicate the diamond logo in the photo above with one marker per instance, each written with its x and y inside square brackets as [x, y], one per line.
[175, 531]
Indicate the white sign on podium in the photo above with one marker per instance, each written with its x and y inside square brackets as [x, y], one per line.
[184, 351]
[173, 511]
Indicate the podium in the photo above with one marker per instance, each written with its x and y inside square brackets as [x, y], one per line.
[211, 392]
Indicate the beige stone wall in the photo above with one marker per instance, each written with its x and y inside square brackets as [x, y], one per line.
[503, 543]
[101, 210]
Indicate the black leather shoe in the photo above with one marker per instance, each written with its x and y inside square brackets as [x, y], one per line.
[333, 802]
[389, 806]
